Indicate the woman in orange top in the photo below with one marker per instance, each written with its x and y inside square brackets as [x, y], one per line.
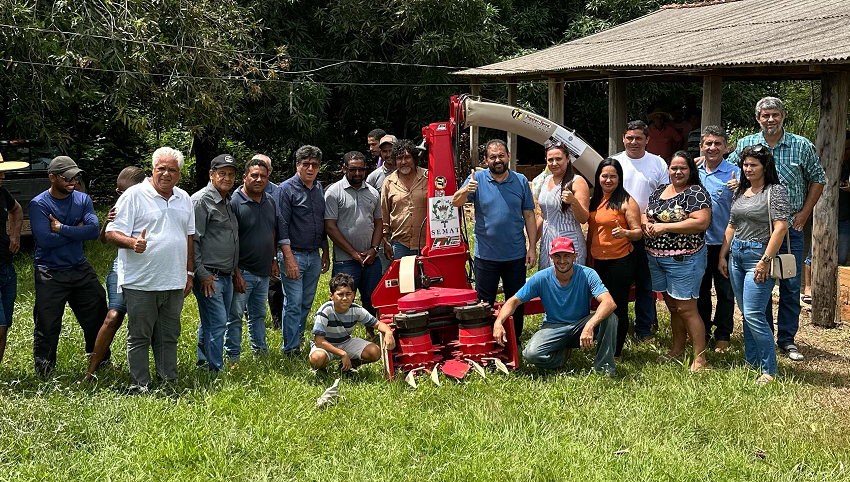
[613, 224]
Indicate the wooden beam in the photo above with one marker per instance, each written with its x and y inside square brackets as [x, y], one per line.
[617, 114]
[475, 90]
[835, 92]
[512, 137]
[556, 100]
[712, 94]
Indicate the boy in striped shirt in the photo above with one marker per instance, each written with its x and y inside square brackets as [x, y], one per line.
[333, 325]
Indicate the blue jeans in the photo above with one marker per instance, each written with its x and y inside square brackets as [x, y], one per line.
[400, 250]
[298, 296]
[644, 297]
[843, 244]
[254, 298]
[8, 293]
[366, 278]
[115, 299]
[752, 297]
[788, 320]
[545, 349]
[213, 312]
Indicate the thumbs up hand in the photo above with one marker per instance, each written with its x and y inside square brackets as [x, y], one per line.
[472, 185]
[567, 196]
[618, 232]
[732, 184]
[141, 243]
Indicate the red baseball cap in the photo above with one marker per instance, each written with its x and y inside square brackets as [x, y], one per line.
[562, 245]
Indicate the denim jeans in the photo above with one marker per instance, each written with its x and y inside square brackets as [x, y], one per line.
[723, 320]
[8, 293]
[298, 296]
[752, 297]
[400, 250]
[366, 278]
[545, 349]
[213, 312]
[254, 298]
[788, 320]
[843, 244]
[644, 297]
[512, 274]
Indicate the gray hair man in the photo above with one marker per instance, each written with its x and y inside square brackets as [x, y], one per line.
[153, 228]
[802, 175]
[216, 254]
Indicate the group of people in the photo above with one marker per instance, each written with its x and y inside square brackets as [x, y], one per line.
[675, 228]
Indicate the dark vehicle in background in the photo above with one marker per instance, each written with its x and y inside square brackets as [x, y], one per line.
[25, 184]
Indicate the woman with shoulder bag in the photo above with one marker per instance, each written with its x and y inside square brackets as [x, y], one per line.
[757, 225]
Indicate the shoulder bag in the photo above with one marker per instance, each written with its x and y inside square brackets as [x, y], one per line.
[782, 266]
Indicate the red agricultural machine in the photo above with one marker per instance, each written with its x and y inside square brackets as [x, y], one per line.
[428, 300]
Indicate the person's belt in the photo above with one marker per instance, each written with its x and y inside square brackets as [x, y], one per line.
[218, 272]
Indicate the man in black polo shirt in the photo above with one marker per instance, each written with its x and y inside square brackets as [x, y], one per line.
[256, 214]
[9, 245]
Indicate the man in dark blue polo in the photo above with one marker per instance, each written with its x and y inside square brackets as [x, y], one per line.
[503, 207]
[275, 286]
[256, 214]
[301, 233]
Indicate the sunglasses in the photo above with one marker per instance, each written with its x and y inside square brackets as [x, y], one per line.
[755, 149]
[73, 179]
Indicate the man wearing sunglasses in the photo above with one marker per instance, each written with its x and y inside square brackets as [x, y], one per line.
[352, 207]
[802, 175]
[62, 218]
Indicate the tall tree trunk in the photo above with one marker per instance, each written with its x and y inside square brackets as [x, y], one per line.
[205, 147]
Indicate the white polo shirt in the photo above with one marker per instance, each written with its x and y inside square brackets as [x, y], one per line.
[641, 177]
[167, 224]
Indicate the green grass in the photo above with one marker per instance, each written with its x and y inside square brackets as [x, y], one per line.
[651, 422]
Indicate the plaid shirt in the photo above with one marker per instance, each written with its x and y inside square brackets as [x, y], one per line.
[796, 163]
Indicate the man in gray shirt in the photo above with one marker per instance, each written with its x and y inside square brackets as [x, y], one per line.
[351, 207]
[256, 213]
[376, 180]
[216, 252]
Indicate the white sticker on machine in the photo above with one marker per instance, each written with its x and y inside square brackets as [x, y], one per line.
[574, 143]
[443, 219]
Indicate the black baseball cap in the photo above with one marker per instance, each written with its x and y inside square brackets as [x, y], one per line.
[224, 160]
[64, 166]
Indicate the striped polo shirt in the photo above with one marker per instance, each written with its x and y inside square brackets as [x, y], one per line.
[337, 327]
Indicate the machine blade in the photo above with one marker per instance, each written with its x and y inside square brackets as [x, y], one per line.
[455, 368]
[435, 375]
[411, 378]
[478, 368]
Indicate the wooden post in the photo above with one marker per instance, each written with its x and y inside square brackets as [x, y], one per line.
[475, 90]
[617, 114]
[556, 100]
[712, 94]
[512, 137]
[835, 92]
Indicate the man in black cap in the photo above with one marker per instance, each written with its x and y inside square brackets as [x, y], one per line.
[216, 252]
[62, 218]
[9, 245]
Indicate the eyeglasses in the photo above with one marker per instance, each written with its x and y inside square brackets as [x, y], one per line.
[73, 179]
[756, 149]
[310, 165]
[554, 144]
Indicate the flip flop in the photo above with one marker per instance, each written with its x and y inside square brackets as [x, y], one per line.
[807, 299]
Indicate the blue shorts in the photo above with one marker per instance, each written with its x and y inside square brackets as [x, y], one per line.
[116, 299]
[679, 279]
[8, 293]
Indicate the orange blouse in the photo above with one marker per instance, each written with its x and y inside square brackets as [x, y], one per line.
[600, 224]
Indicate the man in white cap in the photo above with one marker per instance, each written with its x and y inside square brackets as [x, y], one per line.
[62, 219]
[9, 245]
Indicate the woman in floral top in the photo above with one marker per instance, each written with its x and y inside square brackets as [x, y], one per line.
[674, 225]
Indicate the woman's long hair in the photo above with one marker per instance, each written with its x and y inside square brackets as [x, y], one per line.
[693, 171]
[569, 172]
[762, 154]
[619, 196]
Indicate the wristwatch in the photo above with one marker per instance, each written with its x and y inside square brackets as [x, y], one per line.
[190, 273]
[374, 247]
[766, 258]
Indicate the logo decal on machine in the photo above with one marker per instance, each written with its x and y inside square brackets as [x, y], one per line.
[440, 182]
[516, 114]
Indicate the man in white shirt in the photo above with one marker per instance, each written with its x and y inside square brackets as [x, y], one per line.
[642, 174]
[153, 226]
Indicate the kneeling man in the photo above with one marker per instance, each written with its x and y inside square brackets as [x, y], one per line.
[565, 289]
[334, 323]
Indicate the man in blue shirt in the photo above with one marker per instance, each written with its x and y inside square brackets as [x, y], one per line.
[720, 178]
[503, 207]
[565, 288]
[275, 286]
[301, 233]
[802, 175]
[61, 219]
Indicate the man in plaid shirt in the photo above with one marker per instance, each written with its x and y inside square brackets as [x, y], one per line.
[801, 173]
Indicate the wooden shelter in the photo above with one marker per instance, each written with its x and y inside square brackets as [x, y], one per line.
[725, 40]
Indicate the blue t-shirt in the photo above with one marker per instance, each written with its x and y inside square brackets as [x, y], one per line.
[721, 198]
[62, 251]
[563, 304]
[499, 224]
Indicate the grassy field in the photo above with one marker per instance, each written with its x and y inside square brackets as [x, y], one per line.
[257, 422]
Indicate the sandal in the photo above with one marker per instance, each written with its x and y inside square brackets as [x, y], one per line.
[764, 379]
[807, 299]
